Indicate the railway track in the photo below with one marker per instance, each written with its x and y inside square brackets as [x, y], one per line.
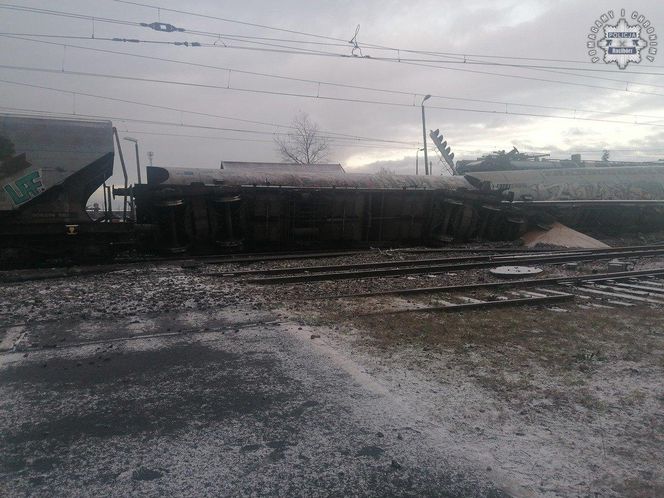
[608, 290]
[377, 264]
[478, 303]
[432, 266]
[532, 282]
[412, 262]
[31, 274]
[625, 288]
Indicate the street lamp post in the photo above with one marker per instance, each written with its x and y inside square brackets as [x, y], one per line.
[424, 137]
[138, 163]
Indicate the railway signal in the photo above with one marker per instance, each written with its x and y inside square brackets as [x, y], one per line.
[442, 146]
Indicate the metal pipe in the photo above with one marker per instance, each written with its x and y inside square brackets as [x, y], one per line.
[106, 216]
[417, 161]
[138, 162]
[110, 203]
[124, 172]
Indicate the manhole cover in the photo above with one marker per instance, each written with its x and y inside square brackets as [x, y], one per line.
[515, 271]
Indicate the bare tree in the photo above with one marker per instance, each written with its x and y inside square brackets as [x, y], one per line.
[304, 144]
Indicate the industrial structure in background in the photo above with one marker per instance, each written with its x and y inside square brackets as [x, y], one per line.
[53, 166]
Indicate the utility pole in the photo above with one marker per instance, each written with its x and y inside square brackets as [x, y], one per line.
[424, 137]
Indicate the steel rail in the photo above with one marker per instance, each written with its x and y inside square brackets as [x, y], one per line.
[423, 250]
[36, 273]
[422, 262]
[382, 264]
[483, 304]
[519, 250]
[533, 282]
[258, 258]
[437, 269]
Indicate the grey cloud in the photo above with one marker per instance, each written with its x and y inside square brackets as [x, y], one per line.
[526, 29]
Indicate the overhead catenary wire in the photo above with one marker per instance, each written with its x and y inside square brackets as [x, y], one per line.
[342, 40]
[28, 111]
[463, 58]
[326, 134]
[289, 49]
[432, 64]
[395, 49]
[313, 96]
[455, 59]
[342, 85]
[431, 149]
[236, 139]
[188, 125]
[437, 66]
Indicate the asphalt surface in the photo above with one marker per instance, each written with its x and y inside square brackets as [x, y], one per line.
[237, 402]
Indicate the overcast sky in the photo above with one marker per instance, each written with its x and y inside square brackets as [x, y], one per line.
[519, 28]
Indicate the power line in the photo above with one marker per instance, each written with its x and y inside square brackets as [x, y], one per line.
[568, 151]
[326, 134]
[550, 70]
[184, 125]
[59, 13]
[346, 42]
[159, 8]
[290, 50]
[462, 59]
[340, 85]
[568, 71]
[287, 49]
[255, 25]
[232, 139]
[432, 65]
[468, 151]
[235, 139]
[311, 96]
[420, 63]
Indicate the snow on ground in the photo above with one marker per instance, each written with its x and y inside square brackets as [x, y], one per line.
[564, 401]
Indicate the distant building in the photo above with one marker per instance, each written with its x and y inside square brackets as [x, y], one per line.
[251, 167]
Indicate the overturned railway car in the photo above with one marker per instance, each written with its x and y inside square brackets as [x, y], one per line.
[207, 210]
[597, 196]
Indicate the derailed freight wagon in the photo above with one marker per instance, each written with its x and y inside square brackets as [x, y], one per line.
[599, 196]
[203, 209]
[49, 168]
